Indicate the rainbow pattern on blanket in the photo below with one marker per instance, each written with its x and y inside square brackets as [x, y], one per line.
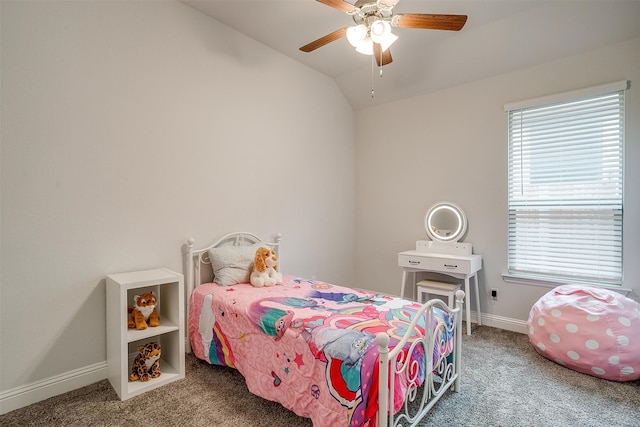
[220, 351]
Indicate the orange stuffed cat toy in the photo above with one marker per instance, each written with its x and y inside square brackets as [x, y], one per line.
[143, 311]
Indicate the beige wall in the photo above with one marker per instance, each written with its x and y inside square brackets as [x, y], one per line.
[128, 127]
[451, 145]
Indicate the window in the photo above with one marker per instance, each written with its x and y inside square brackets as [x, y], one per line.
[565, 186]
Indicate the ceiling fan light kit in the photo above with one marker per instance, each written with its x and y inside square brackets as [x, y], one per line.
[365, 46]
[362, 37]
[356, 34]
[380, 32]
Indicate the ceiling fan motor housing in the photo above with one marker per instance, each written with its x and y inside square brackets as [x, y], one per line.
[368, 12]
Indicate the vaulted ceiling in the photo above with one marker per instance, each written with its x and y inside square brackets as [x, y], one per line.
[499, 36]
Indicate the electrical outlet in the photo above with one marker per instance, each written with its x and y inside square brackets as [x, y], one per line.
[494, 294]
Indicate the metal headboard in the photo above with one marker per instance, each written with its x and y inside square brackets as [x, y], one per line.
[196, 259]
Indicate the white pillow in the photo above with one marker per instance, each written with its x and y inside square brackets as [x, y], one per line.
[232, 264]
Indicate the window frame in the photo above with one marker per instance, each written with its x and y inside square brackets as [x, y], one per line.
[550, 279]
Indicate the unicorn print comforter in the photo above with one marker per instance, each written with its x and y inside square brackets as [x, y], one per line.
[306, 344]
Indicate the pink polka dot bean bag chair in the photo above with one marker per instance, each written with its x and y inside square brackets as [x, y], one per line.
[591, 330]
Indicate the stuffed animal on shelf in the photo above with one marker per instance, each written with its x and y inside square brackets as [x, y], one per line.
[265, 268]
[143, 311]
[146, 365]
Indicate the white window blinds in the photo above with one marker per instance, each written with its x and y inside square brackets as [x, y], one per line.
[565, 186]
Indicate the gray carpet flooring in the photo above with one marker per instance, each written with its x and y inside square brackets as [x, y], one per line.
[504, 383]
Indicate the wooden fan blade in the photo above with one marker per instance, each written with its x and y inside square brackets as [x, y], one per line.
[432, 22]
[339, 4]
[382, 58]
[324, 40]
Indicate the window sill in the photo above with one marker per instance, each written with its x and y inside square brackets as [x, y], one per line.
[546, 283]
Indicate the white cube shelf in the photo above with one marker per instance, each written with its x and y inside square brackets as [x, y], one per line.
[122, 342]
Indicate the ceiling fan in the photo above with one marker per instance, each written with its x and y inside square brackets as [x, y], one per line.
[371, 34]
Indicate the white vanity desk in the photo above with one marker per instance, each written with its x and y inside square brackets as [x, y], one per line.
[446, 225]
[459, 266]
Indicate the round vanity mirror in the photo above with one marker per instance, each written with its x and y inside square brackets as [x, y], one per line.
[445, 222]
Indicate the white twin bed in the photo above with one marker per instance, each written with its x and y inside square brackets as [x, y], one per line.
[340, 356]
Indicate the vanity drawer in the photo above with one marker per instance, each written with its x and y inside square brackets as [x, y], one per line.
[437, 264]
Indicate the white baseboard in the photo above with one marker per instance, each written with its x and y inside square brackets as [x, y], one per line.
[500, 322]
[22, 396]
[506, 323]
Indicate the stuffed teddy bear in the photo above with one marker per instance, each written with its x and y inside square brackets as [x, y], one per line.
[146, 365]
[265, 268]
[143, 311]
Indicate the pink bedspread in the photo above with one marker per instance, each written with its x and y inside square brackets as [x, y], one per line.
[306, 344]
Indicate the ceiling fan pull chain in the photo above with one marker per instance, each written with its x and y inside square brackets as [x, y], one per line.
[372, 72]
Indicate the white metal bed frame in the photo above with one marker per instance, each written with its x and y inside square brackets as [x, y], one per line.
[440, 376]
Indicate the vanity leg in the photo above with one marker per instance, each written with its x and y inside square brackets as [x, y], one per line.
[475, 281]
[467, 304]
[414, 289]
[404, 281]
